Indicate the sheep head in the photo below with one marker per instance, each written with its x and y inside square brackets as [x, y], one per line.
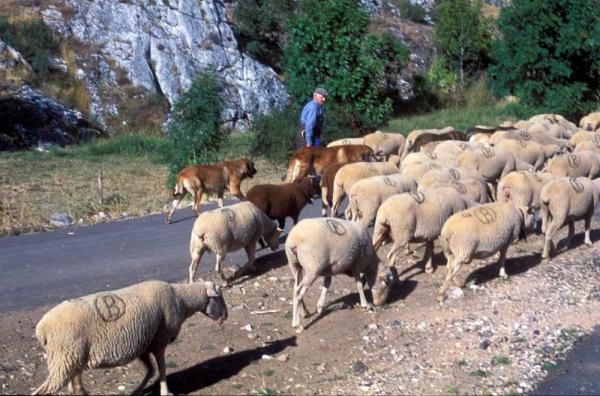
[216, 308]
[380, 284]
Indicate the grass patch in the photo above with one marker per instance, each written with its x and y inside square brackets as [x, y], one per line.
[171, 364]
[380, 309]
[461, 119]
[206, 347]
[479, 373]
[269, 373]
[237, 386]
[462, 363]
[549, 366]
[568, 334]
[451, 389]
[500, 360]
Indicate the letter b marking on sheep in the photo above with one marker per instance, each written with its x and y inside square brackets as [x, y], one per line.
[385, 136]
[597, 140]
[418, 196]
[488, 152]
[109, 307]
[336, 227]
[525, 135]
[576, 184]
[389, 182]
[459, 187]
[434, 166]
[454, 173]
[522, 142]
[229, 214]
[431, 155]
[346, 142]
[485, 215]
[574, 161]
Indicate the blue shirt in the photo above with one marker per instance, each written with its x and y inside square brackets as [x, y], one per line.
[312, 119]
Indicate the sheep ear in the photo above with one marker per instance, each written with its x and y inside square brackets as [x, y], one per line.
[530, 210]
[212, 290]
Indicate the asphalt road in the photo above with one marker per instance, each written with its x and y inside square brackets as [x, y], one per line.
[49, 267]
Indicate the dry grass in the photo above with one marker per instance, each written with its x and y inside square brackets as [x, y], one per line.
[35, 185]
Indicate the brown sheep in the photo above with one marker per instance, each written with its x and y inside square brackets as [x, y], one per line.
[315, 159]
[327, 179]
[426, 138]
[284, 200]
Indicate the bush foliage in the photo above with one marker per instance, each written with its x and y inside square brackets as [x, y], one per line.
[329, 46]
[195, 132]
[548, 55]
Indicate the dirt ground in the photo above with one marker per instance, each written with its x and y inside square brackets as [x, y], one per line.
[494, 336]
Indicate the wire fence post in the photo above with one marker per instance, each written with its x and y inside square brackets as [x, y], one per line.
[100, 187]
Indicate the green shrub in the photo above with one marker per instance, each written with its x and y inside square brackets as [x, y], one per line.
[329, 46]
[195, 133]
[547, 55]
[412, 12]
[33, 39]
[275, 133]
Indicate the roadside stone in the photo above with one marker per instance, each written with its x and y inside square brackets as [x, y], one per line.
[227, 350]
[456, 293]
[283, 357]
[61, 220]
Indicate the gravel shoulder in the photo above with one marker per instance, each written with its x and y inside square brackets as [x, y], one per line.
[494, 336]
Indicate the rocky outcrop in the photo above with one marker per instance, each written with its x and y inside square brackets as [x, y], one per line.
[164, 44]
[30, 119]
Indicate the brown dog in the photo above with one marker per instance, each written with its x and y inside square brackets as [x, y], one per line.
[211, 178]
[315, 159]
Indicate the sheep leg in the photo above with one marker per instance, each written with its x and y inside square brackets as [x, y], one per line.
[453, 269]
[59, 373]
[299, 291]
[588, 223]
[76, 386]
[567, 241]
[361, 293]
[219, 269]
[196, 257]
[428, 257]
[220, 200]
[197, 200]
[407, 251]
[162, 371]
[323, 208]
[326, 285]
[348, 213]
[501, 262]
[145, 359]
[548, 244]
[250, 252]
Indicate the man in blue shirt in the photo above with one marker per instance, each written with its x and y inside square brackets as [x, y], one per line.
[311, 121]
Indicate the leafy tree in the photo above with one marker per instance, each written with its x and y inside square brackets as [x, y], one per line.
[462, 35]
[260, 27]
[412, 12]
[329, 46]
[548, 55]
[196, 131]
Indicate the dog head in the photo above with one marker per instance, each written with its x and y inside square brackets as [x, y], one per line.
[248, 169]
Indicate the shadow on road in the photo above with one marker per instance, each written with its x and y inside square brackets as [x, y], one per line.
[218, 369]
[578, 374]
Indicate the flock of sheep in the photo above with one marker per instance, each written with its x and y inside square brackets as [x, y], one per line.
[477, 193]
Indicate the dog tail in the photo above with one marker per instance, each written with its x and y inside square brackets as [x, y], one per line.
[179, 188]
[293, 171]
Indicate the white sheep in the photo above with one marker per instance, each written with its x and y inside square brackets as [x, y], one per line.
[492, 163]
[589, 145]
[385, 144]
[412, 135]
[416, 217]
[530, 151]
[454, 147]
[417, 170]
[590, 122]
[563, 201]
[442, 159]
[583, 136]
[111, 329]
[581, 163]
[523, 188]
[346, 142]
[480, 232]
[350, 174]
[472, 189]
[328, 247]
[229, 229]
[448, 174]
[367, 195]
